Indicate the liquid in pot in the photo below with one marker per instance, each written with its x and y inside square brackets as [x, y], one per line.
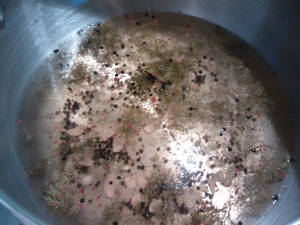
[156, 118]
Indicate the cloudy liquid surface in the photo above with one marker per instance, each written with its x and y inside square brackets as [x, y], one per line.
[155, 118]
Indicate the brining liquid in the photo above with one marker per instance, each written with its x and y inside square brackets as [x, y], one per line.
[155, 118]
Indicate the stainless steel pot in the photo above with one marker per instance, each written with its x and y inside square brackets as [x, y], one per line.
[31, 29]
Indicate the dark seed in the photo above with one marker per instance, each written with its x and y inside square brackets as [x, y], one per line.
[56, 51]
[291, 160]
[115, 223]
[116, 106]
[240, 223]
[138, 23]
[253, 150]
[110, 182]
[82, 200]
[275, 197]
[229, 149]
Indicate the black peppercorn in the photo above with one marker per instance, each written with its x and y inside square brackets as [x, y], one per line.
[275, 197]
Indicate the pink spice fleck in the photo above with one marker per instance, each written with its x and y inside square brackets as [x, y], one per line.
[98, 197]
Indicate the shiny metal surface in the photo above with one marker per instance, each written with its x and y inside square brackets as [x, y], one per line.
[2, 15]
[33, 28]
